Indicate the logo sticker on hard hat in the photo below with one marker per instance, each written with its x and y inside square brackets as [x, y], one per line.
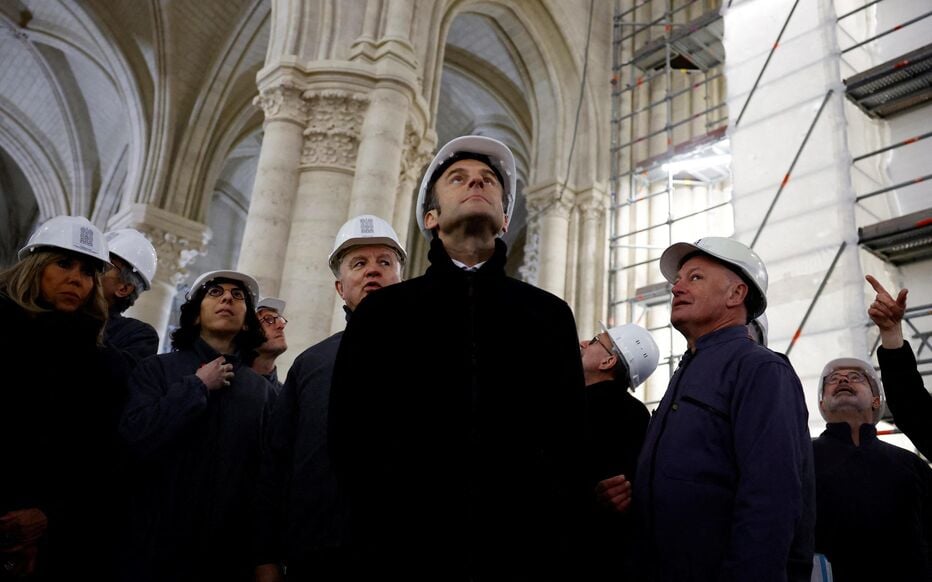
[366, 226]
[85, 238]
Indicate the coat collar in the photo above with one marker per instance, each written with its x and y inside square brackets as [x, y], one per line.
[721, 336]
[842, 432]
[209, 354]
[442, 264]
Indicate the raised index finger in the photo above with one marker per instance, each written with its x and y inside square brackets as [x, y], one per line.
[876, 285]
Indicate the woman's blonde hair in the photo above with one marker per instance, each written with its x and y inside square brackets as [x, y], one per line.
[22, 283]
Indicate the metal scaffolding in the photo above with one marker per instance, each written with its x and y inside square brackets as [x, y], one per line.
[666, 113]
[882, 92]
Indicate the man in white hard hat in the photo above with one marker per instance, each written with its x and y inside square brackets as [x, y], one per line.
[134, 263]
[460, 392]
[907, 397]
[271, 313]
[725, 484]
[614, 361]
[307, 528]
[873, 499]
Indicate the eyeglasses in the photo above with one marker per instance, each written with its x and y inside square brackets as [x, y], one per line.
[852, 376]
[596, 340]
[217, 291]
[273, 319]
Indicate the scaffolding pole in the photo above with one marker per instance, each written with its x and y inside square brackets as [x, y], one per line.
[670, 127]
[786, 177]
[912, 182]
[856, 10]
[767, 62]
[905, 142]
[886, 32]
[802, 324]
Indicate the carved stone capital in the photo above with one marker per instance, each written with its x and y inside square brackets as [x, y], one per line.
[550, 201]
[591, 205]
[175, 254]
[177, 240]
[529, 271]
[283, 102]
[418, 152]
[331, 137]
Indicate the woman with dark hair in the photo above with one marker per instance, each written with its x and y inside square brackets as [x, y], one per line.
[59, 404]
[192, 425]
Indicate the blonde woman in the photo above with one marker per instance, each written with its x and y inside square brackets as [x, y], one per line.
[59, 402]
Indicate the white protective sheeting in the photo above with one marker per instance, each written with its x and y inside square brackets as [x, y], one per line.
[815, 211]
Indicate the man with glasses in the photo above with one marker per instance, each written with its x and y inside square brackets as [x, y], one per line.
[304, 514]
[271, 313]
[192, 427]
[873, 499]
[615, 362]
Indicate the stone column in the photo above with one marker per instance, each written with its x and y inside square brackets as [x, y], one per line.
[552, 213]
[331, 140]
[592, 246]
[269, 219]
[380, 148]
[417, 154]
[396, 117]
[177, 241]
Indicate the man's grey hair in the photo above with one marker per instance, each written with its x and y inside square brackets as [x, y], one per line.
[129, 277]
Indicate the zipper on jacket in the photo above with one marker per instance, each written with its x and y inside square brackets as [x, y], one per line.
[706, 407]
[680, 371]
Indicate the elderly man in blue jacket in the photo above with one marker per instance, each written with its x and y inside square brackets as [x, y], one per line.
[725, 481]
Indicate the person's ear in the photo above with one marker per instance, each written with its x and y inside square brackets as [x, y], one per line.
[338, 285]
[124, 290]
[737, 294]
[608, 363]
[432, 219]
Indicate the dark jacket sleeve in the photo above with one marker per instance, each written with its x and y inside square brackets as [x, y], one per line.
[159, 407]
[135, 340]
[907, 398]
[352, 415]
[568, 405]
[772, 452]
[275, 469]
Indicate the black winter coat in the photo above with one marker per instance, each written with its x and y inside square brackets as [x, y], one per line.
[59, 403]
[617, 423]
[197, 460]
[134, 339]
[873, 507]
[456, 424]
[907, 397]
[301, 509]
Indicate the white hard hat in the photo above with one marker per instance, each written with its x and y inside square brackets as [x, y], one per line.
[133, 247]
[637, 347]
[71, 233]
[760, 327]
[251, 284]
[365, 229]
[271, 303]
[728, 251]
[499, 154]
[857, 364]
